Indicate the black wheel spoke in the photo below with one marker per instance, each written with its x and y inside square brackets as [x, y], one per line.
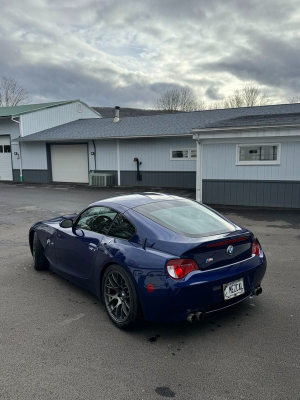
[125, 309]
[112, 283]
[112, 298]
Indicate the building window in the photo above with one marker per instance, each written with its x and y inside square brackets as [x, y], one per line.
[184, 154]
[1, 149]
[258, 154]
[193, 153]
[6, 148]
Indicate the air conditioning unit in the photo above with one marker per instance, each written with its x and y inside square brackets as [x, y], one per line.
[99, 179]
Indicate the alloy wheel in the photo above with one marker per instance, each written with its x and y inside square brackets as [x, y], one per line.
[117, 296]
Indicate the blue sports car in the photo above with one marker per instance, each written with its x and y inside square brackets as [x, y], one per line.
[151, 255]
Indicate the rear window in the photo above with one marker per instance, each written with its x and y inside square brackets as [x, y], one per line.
[186, 217]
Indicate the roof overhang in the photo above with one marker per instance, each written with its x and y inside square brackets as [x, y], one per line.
[45, 107]
[27, 139]
[246, 132]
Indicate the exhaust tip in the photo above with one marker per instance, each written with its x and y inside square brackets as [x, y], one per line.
[258, 291]
[191, 318]
[200, 315]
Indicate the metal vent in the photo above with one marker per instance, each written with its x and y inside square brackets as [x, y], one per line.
[98, 179]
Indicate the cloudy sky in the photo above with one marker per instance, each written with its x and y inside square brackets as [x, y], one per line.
[128, 52]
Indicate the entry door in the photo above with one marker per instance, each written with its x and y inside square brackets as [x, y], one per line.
[5, 159]
[69, 163]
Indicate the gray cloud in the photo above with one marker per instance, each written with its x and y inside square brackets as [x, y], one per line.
[129, 53]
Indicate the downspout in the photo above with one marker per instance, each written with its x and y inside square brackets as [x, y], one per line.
[199, 168]
[95, 156]
[20, 154]
[118, 163]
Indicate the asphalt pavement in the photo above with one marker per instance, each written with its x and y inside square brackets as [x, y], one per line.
[56, 341]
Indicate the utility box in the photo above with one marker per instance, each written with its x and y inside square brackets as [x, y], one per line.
[99, 179]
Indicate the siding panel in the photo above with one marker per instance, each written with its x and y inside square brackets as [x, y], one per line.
[32, 176]
[184, 180]
[233, 193]
[219, 162]
[153, 153]
[281, 195]
[288, 194]
[273, 195]
[253, 193]
[34, 156]
[296, 195]
[106, 155]
[9, 128]
[44, 119]
[259, 193]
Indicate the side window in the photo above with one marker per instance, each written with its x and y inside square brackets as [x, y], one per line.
[122, 228]
[97, 219]
[1, 149]
[184, 154]
[255, 154]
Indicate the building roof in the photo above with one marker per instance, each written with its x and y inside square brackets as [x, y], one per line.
[16, 111]
[157, 125]
[291, 119]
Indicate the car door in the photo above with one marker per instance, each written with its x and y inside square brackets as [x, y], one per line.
[76, 248]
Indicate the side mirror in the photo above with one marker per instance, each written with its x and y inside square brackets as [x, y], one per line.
[66, 223]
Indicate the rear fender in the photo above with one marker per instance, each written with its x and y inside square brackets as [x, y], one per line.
[144, 266]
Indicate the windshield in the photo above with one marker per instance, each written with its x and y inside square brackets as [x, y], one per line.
[186, 217]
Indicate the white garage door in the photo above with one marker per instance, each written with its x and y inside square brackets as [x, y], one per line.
[69, 163]
[5, 159]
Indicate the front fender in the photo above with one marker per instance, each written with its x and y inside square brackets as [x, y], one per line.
[46, 235]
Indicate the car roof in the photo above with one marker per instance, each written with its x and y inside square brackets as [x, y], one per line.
[135, 200]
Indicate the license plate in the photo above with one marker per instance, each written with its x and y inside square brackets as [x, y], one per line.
[233, 289]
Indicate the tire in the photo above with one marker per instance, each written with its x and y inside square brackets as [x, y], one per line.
[120, 297]
[40, 262]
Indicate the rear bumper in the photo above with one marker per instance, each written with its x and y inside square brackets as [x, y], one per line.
[173, 300]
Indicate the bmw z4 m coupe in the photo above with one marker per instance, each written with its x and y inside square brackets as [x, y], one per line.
[151, 255]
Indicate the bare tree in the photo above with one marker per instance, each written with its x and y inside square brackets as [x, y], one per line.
[249, 96]
[182, 99]
[293, 100]
[12, 93]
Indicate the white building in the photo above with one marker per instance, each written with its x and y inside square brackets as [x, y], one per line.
[21, 121]
[245, 156]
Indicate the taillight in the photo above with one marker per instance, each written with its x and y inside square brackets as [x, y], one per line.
[179, 268]
[256, 248]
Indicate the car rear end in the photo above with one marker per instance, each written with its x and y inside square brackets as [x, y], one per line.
[206, 288]
[219, 264]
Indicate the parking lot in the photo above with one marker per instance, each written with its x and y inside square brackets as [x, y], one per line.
[56, 341]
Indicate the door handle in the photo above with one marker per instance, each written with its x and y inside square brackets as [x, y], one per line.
[92, 247]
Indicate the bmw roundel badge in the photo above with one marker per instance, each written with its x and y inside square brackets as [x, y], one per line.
[230, 250]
